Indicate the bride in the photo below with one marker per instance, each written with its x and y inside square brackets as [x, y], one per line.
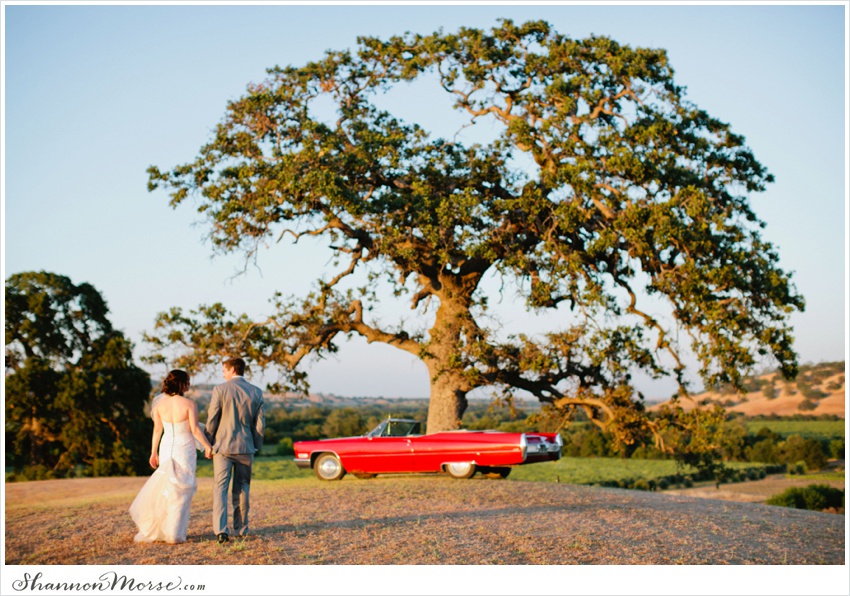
[161, 509]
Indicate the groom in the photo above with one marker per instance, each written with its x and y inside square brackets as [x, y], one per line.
[235, 429]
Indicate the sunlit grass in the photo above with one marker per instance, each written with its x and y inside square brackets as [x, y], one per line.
[591, 470]
[264, 468]
[809, 429]
[825, 476]
[570, 470]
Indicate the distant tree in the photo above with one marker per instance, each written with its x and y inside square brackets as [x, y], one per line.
[587, 441]
[769, 390]
[764, 451]
[796, 448]
[73, 395]
[603, 184]
[344, 422]
[807, 405]
[766, 434]
[734, 440]
[836, 448]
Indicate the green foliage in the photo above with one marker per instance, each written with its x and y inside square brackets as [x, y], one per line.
[799, 467]
[769, 448]
[300, 423]
[796, 448]
[633, 190]
[836, 449]
[619, 472]
[816, 373]
[344, 422]
[699, 436]
[733, 440]
[498, 416]
[807, 428]
[763, 451]
[815, 497]
[73, 395]
[769, 390]
[640, 484]
[806, 383]
[36, 472]
[285, 447]
[807, 405]
[809, 392]
[588, 440]
[751, 384]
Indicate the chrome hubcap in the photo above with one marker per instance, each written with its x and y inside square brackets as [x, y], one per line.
[329, 467]
[459, 469]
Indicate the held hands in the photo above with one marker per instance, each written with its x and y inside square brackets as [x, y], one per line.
[208, 452]
[154, 461]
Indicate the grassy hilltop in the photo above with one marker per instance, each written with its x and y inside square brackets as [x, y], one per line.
[818, 390]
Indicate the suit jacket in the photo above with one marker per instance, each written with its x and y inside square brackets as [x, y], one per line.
[236, 420]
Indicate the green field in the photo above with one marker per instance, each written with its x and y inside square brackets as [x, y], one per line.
[265, 468]
[591, 470]
[809, 429]
[595, 470]
[571, 470]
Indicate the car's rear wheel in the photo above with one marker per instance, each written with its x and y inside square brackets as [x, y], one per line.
[364, 476]
[461, 470]
[328, 467]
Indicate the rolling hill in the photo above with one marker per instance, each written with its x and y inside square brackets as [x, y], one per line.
[819, 389]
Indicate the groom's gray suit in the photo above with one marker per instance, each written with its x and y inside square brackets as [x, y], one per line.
[235, 424]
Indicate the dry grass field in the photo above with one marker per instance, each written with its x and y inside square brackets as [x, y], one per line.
[785, 401]
[753, 492]
[430, 520]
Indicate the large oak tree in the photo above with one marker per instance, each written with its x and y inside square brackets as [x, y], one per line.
[601, 189]
[73, 395]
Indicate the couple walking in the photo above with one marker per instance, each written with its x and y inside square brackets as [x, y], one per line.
[233, 433]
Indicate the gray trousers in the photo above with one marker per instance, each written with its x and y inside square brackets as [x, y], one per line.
[225, 466]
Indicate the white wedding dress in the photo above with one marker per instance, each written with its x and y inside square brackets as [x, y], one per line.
[161, 509]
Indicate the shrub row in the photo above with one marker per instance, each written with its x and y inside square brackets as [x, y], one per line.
[687, 480]
[815, 497]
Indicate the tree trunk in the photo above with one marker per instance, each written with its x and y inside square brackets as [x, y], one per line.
[448, 385]
[448, 400]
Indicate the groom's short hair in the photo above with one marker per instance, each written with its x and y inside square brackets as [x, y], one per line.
[237, 365]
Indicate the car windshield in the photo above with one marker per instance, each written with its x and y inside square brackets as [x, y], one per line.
[395, 428]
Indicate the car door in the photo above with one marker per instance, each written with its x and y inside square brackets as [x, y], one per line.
[376, 455]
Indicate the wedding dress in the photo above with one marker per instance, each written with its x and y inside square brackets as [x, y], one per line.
[161, 509]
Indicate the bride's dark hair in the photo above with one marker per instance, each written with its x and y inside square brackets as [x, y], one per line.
[176, 383]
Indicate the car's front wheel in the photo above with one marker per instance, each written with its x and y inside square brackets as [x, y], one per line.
[461, 470]
[328, 467]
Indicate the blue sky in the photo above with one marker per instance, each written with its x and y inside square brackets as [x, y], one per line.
[95, 94]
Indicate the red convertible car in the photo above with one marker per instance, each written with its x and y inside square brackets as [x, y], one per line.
[395, 446]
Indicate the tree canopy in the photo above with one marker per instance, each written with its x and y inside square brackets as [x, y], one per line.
[73, 395]
[602, 188]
